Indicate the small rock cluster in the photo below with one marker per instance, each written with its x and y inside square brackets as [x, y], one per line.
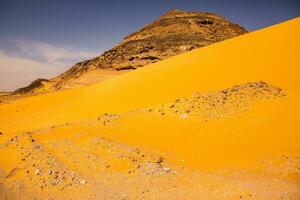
[108, 118]
[41, 168]
[221, 104]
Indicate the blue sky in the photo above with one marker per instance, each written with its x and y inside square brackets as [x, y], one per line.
[42, 38]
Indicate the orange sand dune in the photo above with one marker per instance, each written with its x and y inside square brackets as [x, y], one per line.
[259, 139]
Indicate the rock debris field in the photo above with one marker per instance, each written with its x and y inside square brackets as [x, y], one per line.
[58, 160]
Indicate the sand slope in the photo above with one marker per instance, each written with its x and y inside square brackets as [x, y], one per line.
[246, 145]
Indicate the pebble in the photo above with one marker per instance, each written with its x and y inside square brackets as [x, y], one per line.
[224, 91]
[37, 172]
[73, 175]
[82, 182]
[55, 182]
[196, 94]
[166, 169]
[184, 116]
[160, 160]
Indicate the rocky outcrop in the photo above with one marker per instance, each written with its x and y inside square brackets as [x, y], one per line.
[173, 33]
[31, 87]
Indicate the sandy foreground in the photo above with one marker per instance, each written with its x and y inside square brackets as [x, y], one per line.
[220, 122]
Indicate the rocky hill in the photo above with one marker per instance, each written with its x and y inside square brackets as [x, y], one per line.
[173, 33]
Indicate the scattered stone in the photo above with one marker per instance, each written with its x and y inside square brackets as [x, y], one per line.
[37, 172]
[13, 172]
[55, 182]
[82, 182]
[172, 106]
[188, 111]
[166, 169]
[1, 133]
[73, 176]
[160, 160]
[184, 116]
[224, 91]
[196, 95]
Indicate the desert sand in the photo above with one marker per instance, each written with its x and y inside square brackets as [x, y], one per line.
[220, 122]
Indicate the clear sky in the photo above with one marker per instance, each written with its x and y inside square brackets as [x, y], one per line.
[41, 38]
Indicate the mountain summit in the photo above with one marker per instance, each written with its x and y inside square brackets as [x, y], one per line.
[173, 33]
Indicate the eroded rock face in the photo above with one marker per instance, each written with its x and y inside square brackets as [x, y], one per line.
[30, 88]
[173, 33]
